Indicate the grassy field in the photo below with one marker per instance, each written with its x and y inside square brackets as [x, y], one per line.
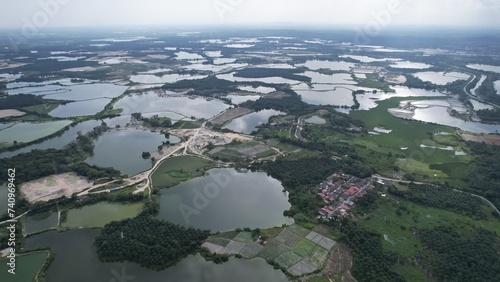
[406, 140]
[398, 228]
[266, 154]
[396, 221]
[412, 273]
[41, 109]
[176, 170]
[188, 124]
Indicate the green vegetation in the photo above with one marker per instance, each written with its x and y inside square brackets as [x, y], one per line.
[298, 176]
[154, 121]
[444, 198]
[489, 115]
[484, 176]
[204, 87]
[266, 154]
[187, 124]
[179, 169]
[454, 256]
[148, 241]
[273, 72]
[20, 101]
[41, 109]
[371, 261]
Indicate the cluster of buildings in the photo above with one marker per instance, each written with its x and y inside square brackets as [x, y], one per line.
[339, 193]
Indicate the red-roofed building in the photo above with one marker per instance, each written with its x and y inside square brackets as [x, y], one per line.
[353, 190]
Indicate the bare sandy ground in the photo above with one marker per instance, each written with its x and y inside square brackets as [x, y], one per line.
[231, 114]
[488, 138]
[53, 187]
[10, 113]
[238, 136]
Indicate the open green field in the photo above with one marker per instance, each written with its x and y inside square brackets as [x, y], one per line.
[400, 238]
[412, 273]
[188, 124]
[27, 267]
[406, 140]
[396, 221]
[266, 154]
[179, 169]
[41, 109]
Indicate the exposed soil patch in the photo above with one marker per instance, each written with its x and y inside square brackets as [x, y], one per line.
[53, 187]
[487, 138]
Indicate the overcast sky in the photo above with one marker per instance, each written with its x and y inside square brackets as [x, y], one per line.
[77, 13]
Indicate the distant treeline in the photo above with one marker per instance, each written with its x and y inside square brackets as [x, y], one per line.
[20, 101]
[272, 72]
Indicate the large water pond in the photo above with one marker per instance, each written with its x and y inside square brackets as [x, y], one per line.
[26, 267]
[331, 65]
[40, 222]
[167, 78]
[185, 106]
[81, 108]
[250, 122]
[337, 78]
[100, 214]
[410, 65]
[321, 94]
[188, 56]
[76, 260]
[260, 89]
[440, 115]
[441, 78]
[369, 100]
[366, 59]
[213, 68]
[57, 142]
[123, 149]
[497, 86]
[315, 120]
[484, 67]
[73, 92]
[26, 131]
[270, 80]
[225, 200]
[480, 106]
[238, 99]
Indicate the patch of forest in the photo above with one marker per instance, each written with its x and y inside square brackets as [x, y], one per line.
[147, 240]
[371, 261]
[449, 255]
[443, 198]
